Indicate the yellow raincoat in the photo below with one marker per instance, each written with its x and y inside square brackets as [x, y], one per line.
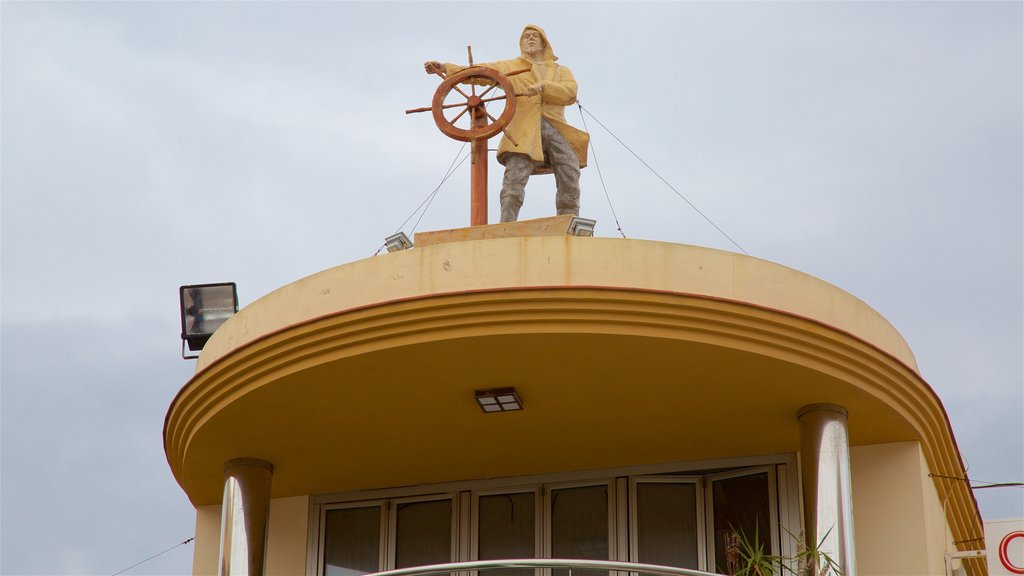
[559, 92]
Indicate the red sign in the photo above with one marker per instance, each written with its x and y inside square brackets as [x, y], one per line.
[1004, 553]
[1004, 546]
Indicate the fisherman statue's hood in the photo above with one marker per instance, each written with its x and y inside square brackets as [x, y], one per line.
[549, 54]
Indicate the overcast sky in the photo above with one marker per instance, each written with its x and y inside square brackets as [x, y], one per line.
[147, 145]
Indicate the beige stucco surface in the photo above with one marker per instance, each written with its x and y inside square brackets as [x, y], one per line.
[556, 261]
[594, 312]
[899, 523]
[207, 543]
[286, 538]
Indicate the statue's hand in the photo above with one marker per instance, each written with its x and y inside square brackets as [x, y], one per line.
[433, 67]
[537, 88]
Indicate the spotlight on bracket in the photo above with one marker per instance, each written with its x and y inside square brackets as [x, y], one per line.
[398, 241]
[204, 307]
[581, 226]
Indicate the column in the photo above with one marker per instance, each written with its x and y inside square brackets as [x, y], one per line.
[825, 478]
[244, 517]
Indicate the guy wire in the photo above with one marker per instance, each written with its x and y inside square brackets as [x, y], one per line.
[154, 556]
[655, 172]
[434, 193]
[448, 173]
[599, 174]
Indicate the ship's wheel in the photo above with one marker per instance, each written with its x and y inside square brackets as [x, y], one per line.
[482, 125]
[461, 113]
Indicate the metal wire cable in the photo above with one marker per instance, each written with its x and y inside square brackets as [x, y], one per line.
[978, 484]
[999, 485]
[599, 174]
[434, 193]
[448, 173]
[153, 556]
[655, 172]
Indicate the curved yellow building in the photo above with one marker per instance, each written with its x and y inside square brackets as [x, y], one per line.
[672, 398]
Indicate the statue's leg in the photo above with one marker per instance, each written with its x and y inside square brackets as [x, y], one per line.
[518, 168]
[566, 165]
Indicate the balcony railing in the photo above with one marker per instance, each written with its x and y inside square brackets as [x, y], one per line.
[608, 566]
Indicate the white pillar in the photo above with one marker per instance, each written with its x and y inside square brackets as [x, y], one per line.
[245, 513]
[825, 478]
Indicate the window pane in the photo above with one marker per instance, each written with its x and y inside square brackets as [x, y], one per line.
[666, 518]
[424, 533]
[352, 541]
[742, 511]
[506, 529]
[579, 525]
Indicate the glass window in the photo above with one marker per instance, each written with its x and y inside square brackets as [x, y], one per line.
[506, 528]
[696, 521]
[667, 524]
[423, 533]
[742, 513]
[352, 541]
[579, 525]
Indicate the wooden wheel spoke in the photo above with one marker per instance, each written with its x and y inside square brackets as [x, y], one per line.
[483, 124]
[439, 72]
[454, 120]
[489, 88]
[509, 136]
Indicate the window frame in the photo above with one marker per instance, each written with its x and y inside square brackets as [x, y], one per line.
[634, 528]
[783, 485]
[610, 494]
[391, 546]
[774, 504]
[538, 517]
[381, 505]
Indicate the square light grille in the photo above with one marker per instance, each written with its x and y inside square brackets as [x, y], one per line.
[499, 400]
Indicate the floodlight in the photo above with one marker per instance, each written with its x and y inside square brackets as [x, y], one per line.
[397, 241]
[204, 307]
[581, 226]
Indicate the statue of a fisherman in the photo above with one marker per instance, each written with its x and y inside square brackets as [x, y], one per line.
[546, 143]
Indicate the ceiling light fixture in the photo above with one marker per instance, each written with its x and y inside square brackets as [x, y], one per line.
[499, 400]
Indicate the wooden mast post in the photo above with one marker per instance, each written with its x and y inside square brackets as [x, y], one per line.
[480, 129]
[478, 174]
